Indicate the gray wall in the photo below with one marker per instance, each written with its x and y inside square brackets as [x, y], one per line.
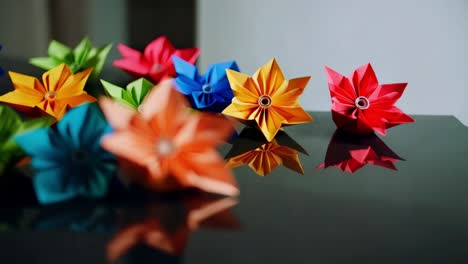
[27, 26]
[422, 42]
[24, 28]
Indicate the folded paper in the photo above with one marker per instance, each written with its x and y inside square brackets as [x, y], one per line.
[351, 152]
[167, 146]
[250, 148]
[82, 57]
[209, 92]
[132, 95]
[155, 62]
[11, 124]
[168, 225]
[361, 105]
[267, 98]
[59, 91]
[67, 159]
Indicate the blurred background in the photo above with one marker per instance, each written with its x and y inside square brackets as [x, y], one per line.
[422, 42]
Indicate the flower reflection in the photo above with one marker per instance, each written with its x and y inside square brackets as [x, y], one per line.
[166, 225]
[145, 227]
[352, 152]
[252, 149]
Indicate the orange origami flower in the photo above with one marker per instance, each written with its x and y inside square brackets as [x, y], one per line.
[268, 98]
[60, 90]
[171, 147]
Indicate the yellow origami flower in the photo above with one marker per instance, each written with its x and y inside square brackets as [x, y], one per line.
[267, 98]
[60, 90]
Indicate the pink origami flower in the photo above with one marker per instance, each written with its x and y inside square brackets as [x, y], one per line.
[155, 63]
[361, 105]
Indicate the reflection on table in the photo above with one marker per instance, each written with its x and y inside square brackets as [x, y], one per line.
[351, 152]
[252, 149]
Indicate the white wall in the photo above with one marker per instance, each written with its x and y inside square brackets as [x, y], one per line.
[422, 42]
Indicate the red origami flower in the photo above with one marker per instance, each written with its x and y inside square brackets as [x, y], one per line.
[361, 105]
[352, 152]
[155, 63]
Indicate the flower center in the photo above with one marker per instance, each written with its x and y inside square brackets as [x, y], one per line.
[264, 101]
[50, 96]
[165, 147]
[362, 102]
[156, 67]
[206, 88]
[79, 156]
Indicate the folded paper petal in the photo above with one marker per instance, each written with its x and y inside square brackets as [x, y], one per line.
[361, 105]
[11, 124]
[133, 95]
[155, 63]
[172, 147]
[67, 159]
[268, 98]
[59, 91]
[210, 92]
[82, 57]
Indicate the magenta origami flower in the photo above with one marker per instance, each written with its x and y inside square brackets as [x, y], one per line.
[361, 105]
[155, 63]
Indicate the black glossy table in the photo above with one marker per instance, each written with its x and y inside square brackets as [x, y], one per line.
[415, 214]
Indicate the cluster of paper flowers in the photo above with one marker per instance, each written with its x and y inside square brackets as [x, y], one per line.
[146, 134]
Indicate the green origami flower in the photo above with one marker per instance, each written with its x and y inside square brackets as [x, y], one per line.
[132, 95]
[11, 124]
[82, 57]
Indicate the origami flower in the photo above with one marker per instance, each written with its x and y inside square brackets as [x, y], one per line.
[132, 95]
[169, 223]
[361, 105]
[1, 70]
[67, 159]
[250, 148]
[352, 152]
[59, 91]
[210, 92]
[10, 125]
[155, 63]
[267, 98]
[170, 147]
[82, 57]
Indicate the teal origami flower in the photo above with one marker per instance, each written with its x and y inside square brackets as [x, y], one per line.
[10, 125]
[82, 57]
[67, 159]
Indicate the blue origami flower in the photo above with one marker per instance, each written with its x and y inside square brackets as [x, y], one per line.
[67, 159]
[210, 92]
[1, 70]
